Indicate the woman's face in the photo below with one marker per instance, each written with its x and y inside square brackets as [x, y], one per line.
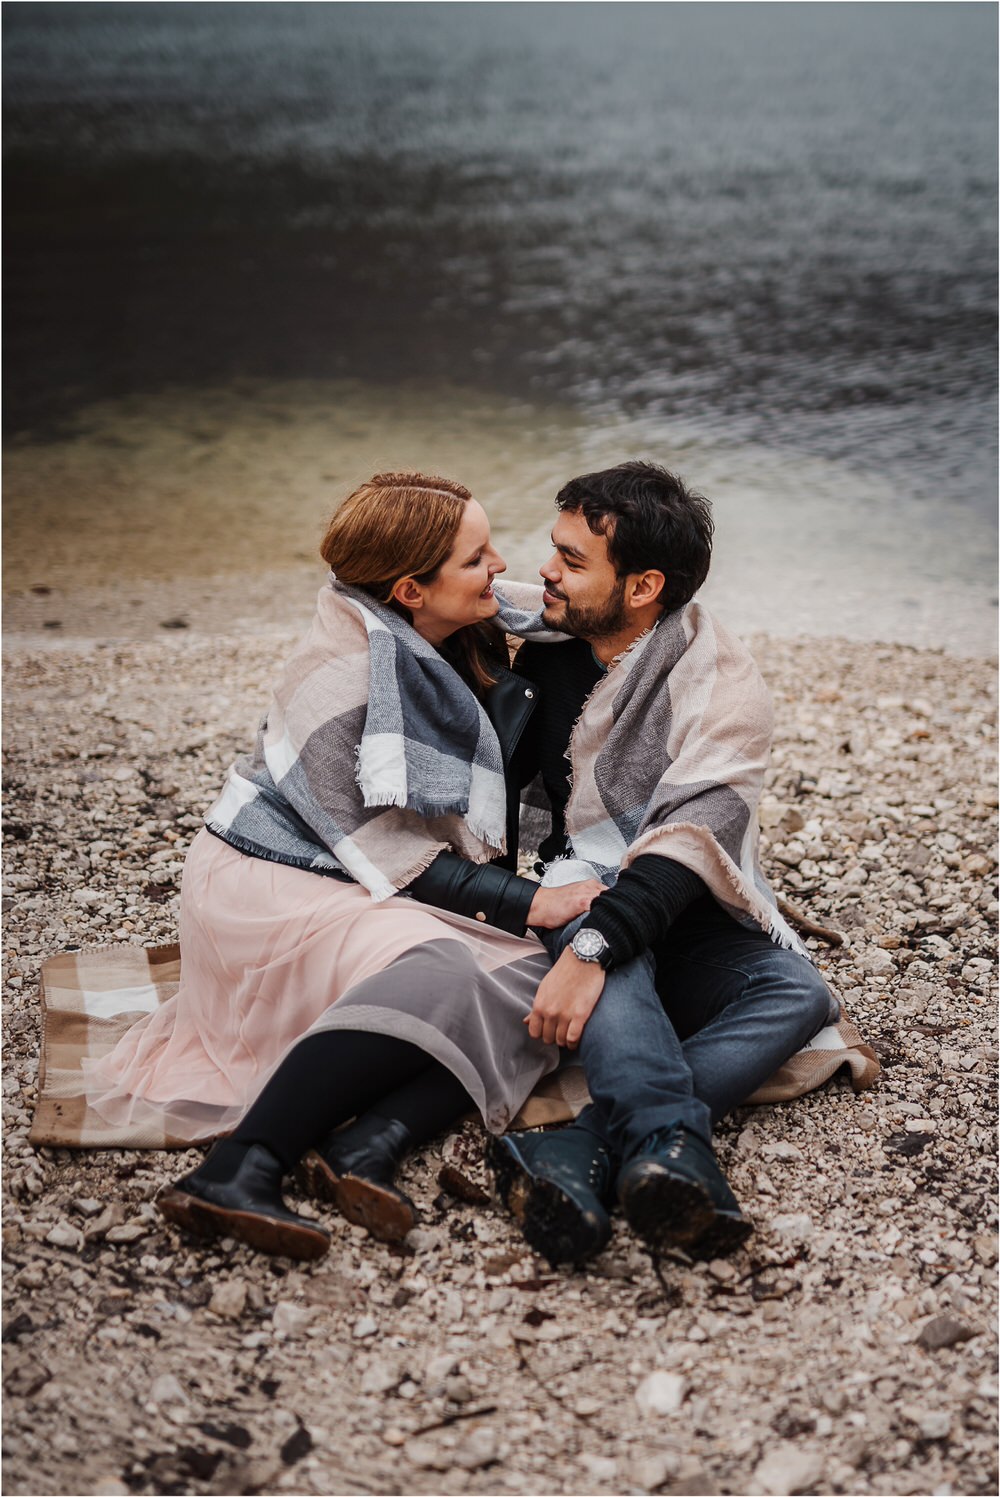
[462, 591]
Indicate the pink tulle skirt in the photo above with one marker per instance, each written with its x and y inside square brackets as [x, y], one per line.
[271, 953]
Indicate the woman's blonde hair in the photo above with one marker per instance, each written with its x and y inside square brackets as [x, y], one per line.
[404, 525]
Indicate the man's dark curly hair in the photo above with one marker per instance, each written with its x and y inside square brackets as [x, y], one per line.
[649, 519]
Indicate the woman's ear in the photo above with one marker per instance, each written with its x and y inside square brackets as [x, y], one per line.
[409, 593]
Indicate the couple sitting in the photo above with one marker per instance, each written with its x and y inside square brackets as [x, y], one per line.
[357, 944]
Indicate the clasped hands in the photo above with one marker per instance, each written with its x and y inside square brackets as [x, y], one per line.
[567, 995]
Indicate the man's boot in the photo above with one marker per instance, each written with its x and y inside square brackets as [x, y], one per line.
[557, 1185]
[355, 1167]
[236, 1192]
[673, 1194]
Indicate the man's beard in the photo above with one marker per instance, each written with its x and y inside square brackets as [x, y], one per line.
[598, 620]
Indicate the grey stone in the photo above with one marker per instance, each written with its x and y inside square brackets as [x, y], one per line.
[944, 1331]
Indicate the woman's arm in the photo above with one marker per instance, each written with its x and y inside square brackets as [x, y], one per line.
[486, 892]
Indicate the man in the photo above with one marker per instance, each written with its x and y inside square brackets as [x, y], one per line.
[682, 987]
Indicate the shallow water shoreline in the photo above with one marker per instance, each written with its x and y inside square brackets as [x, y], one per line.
[208, 507]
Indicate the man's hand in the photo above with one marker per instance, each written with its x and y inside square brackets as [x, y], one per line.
[552, 908]
[565, 1000]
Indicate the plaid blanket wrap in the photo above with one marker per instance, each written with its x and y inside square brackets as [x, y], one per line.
[91, 998]
[668, 757]
[373, 758]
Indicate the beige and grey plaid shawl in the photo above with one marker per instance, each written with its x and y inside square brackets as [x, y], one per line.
[374, 756]
[90, 998]
[668, 756]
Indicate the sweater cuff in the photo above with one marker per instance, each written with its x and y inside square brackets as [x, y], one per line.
[621, 937]
[643, 905]
[517, 900]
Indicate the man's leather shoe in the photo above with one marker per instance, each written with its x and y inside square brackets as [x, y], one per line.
[354, 1169]
[673, 1194]
[246, 1204]
[557, 1185]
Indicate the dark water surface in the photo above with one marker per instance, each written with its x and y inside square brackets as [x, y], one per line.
[776, 223]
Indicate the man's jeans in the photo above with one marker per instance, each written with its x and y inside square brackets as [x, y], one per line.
[735, 1006]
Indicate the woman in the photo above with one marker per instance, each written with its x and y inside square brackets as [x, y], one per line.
[376, 771]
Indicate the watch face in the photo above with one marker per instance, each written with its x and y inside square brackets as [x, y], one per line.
[588, 943]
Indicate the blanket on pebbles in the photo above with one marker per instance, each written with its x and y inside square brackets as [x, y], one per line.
[90, 997]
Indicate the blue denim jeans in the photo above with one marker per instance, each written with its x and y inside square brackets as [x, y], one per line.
[685, 1033]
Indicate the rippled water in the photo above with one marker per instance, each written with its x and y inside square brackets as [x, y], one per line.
[771, 226]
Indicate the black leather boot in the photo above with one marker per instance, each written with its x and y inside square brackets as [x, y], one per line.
[354, 1168]
[245, 1203]
[557, 1185]
[673, 1194]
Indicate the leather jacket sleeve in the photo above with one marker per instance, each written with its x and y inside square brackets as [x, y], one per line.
[480, 891]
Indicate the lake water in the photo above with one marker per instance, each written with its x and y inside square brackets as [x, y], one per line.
[257, 251]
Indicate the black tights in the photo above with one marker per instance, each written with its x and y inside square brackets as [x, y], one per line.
[341, 1073]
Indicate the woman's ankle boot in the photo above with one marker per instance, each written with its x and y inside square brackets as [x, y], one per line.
[355, 1168]
[236, 1192]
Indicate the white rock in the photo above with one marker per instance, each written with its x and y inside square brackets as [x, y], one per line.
[127, 1232]
[782, 1151]
[423, 1239]
[661, 1393]
[793, 1224]
[166, 1389]
[975, 971]
[478, 1448]
[366, 1326]
[933, 1424]
[602, 1468]
[229, 1299]
[452, 1308]
[65, 1235]
[439, 1367]
[651, 1471]
[588, 1406]
[788, 1469]
[427, 1455]
[379, 1377]
[290, 1319]
[88, 1207]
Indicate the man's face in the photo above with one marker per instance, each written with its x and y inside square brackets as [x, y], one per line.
[583, 594]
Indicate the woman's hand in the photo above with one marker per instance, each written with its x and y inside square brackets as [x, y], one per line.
[565, 1000]
[551, 908]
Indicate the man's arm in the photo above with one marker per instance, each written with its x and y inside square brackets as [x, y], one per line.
[635, 914]
[643, 905]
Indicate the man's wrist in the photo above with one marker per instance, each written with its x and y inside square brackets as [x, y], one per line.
[591, 947]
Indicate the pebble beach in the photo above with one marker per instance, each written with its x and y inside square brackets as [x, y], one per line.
[257, 253]
[848, 1348]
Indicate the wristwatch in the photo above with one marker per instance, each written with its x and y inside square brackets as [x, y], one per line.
[590, 946]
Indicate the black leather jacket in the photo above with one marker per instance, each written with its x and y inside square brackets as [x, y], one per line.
[490, 892]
